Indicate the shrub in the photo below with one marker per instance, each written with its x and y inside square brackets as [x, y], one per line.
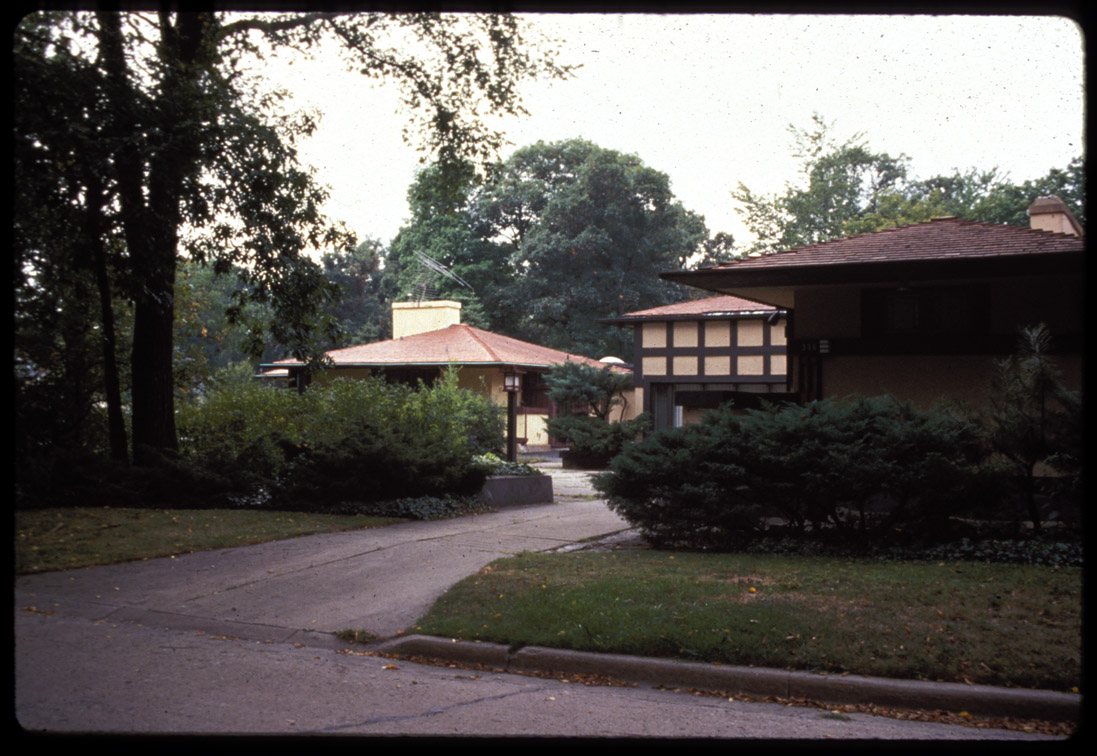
[857, 467]
[343, 440]
[588, 389]
[491, 464]
[593, 441]
[1034, 419]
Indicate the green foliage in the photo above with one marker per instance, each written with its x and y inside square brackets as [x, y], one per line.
[341, 441]
[133, 128]
[493, 465]
[854, 467]
[574, 222]
[585, 388]
[362, 310]
[1034, 419]
[846, 189]
[594, 442]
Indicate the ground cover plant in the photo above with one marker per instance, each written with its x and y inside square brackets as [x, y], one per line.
[57, 539]
[975, 622]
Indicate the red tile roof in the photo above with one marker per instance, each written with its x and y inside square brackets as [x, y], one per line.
[458, 344]
[941, 239]
[707, 306]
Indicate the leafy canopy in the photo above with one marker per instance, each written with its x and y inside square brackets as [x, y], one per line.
[845, 188]
[161, 142]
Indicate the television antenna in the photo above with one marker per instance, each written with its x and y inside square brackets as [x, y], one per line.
[425, 284]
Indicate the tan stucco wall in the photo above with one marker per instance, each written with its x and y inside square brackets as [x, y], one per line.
[654, 365]
[923, 379]
[717, 333]
[410, 318]
[751, 332]
[685, 333]
[533, 428]
[919, 379]
[654, 335]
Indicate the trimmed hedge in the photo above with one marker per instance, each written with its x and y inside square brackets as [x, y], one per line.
[859, 469]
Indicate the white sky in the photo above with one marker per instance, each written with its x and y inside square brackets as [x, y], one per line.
[707, 100]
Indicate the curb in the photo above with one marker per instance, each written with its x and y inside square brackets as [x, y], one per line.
[982, 700]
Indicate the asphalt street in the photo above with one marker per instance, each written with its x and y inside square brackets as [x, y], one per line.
[240, 641]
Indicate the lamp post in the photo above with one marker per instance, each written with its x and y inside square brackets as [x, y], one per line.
[512, 384]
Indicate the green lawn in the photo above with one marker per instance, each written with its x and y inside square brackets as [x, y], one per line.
[57, 539]
[997, 624]
[957, 621]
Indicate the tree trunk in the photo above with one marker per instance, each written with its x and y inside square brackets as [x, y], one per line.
[116, 426]
[150, 181]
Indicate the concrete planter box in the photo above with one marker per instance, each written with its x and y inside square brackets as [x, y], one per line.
[508, 490]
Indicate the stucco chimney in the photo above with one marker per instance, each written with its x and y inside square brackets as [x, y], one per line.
[410, 318]
[1052, 214]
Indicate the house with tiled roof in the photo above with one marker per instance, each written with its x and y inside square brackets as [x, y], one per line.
[428, 338]
[922, 311]
[693, 356]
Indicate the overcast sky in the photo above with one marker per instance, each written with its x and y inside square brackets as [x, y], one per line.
[707, 99]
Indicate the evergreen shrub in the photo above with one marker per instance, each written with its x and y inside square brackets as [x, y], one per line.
[594, 442]
[854, 469]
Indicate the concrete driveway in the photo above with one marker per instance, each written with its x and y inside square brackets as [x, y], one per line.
[378, 580]
[239, 641]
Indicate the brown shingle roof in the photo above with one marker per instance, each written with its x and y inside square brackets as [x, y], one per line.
[939, 239]
[707, 306]
[458, 344]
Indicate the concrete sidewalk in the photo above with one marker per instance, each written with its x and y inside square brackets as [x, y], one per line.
[301, 591]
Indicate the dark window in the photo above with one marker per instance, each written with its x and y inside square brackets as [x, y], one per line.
[534, 391]
[412, 376]
[929, 310]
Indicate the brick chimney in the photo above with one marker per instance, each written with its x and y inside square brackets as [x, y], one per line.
[410, 318]
[1052, 214]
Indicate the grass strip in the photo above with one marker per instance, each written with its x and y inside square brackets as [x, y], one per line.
[58, 539]
[973, 622]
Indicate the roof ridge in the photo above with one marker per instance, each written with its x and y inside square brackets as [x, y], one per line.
[475, 333]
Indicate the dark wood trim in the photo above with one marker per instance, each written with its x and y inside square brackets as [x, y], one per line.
[971, 268]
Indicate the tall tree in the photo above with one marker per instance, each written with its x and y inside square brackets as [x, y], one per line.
[847, 189]
[586, 232]
[839, 182]
[66, 246]
[361, 310]
[441, 228]
[201, 164]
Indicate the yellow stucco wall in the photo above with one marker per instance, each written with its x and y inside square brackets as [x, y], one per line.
[923, 379]
[717, 333]
[751, 332]
[654, 365]
[654, 335]
[410, 318]
[685, 333]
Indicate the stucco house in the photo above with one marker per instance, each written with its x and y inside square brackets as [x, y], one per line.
[693, 356]
[919, 311]
[428, 337]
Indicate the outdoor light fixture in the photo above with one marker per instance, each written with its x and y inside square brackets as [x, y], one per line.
[512, 381]
[512, 384]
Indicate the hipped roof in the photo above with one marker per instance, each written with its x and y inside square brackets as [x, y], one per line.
[941, 247]
[698, 308]
[457, 344]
